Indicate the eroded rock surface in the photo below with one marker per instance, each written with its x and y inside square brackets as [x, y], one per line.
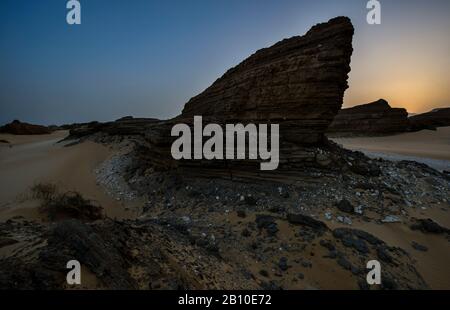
[431, 120]
[376, 118]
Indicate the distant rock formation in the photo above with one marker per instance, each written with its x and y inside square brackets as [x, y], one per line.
[18, 128]
[376, 118]
[431, 120]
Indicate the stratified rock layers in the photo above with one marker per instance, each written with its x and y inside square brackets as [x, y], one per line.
[376, 118]
[430, 120]
[298, 83]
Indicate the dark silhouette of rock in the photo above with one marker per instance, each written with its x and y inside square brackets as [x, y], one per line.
[304, 220]
[18, 128]
[298, 82]
[431, 120]
[376, 118]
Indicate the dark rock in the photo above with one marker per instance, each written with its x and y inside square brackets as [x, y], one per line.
[249, 200]
[7, 241]
[384, 255]
[363, 285]
[429, 226]
[297, 83]
[19, 128]
[327, 244]
[387, 283]
[246, 233]
[345, 206]
[419, 247]
[431, 120]
[241, 213]
[376, 118]
[283, 264]
[344, 263]
[304, 220]
[264, 273]
[268, 223]
[271, 286]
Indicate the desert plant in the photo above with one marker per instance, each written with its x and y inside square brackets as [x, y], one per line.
[65, 205]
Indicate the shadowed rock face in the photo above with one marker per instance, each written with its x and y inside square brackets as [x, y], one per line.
[298, 83]
[376, 118]
[430, 120]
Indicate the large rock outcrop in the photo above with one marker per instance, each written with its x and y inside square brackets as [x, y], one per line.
[298, 83]
[18, 128]
[431, 120]
[376, 118]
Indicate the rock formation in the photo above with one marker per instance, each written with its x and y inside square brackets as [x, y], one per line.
[298, 83]
[18, 128]
[376, 118]
[430, 120]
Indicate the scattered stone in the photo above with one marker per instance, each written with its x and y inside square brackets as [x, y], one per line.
[283, 264]
[345, 220]
[419, 247]
[264, 273]
[391, 219]
[268, 223]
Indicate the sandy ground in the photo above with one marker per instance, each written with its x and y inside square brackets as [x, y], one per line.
[28, 160]
[429, 147]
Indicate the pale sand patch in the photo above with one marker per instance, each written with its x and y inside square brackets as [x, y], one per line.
[34, 159]
[429, 147]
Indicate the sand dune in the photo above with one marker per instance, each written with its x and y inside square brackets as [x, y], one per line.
[32, 159]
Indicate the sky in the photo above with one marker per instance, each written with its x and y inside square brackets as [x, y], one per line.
[148, 58]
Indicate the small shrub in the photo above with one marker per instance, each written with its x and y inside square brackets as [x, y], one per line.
[65, 205]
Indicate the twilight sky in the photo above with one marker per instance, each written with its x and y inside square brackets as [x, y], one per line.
[147, 58]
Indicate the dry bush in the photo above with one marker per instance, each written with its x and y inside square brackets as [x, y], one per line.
[65, 205]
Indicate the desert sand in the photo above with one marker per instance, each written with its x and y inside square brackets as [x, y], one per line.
[429, 147]
[28, 160]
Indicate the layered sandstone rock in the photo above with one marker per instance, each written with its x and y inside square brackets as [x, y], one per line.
[376, 118]
[431, 120]
[298, 83]
[18, 128]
